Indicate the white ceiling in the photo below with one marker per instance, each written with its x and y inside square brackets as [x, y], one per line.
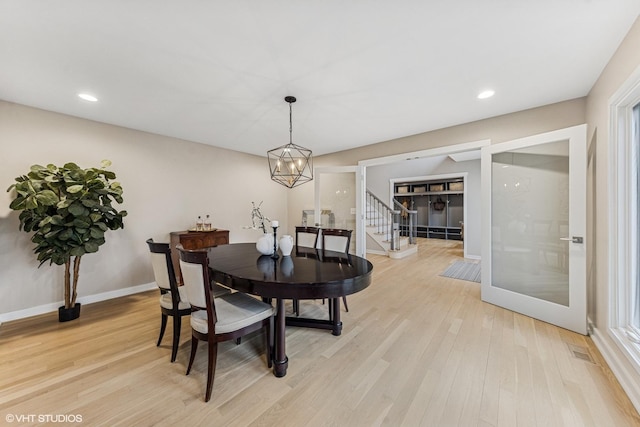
[363, 71]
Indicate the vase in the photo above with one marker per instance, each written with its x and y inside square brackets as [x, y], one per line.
[286, 245]
[67, 314]
[264, 245]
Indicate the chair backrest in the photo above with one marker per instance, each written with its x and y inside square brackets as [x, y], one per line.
[194, 265]
[307, 237]
[336, 239]
[163, 270]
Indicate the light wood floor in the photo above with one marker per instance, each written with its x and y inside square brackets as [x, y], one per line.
[416, 349]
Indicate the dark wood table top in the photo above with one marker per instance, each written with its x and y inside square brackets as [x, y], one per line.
[306, 274]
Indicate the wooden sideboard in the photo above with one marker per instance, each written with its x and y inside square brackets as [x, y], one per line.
[194, 240]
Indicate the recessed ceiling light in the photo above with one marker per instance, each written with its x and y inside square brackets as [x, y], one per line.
[486, 94]
[88, 97]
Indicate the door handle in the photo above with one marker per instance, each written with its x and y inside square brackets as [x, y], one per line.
[574, 239]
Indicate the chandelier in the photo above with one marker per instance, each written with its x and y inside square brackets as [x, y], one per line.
[290, 165]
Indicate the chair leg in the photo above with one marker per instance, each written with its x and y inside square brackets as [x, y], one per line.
[163, 326]
[296, 307]
[268, 335]
[344, 300]
[177, 325]
[211, 370]
[194, 347]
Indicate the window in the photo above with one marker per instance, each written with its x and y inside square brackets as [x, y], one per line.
[624, 174]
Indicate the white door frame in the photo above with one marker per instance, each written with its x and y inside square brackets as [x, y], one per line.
[397, 158]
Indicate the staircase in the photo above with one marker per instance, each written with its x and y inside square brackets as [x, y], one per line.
[390, 231]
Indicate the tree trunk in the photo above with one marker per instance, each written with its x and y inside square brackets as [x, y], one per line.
[67, 284]
[76, 274]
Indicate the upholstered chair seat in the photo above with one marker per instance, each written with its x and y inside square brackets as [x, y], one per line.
[167, 302]
[235, 311]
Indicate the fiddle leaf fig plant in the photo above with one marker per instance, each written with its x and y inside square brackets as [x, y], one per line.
[68, 209]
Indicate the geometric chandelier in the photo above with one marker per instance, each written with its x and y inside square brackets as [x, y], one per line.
[290, 165]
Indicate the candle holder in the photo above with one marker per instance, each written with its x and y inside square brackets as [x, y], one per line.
[275, 242]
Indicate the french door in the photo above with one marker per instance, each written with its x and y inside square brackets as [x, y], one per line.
[336, 199]
[534, 226]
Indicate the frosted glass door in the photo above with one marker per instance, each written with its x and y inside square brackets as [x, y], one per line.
[336, 201]
[534, 225]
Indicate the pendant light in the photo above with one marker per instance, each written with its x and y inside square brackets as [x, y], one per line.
[290, 165]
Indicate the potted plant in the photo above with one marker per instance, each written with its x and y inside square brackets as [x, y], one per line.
[68, 209]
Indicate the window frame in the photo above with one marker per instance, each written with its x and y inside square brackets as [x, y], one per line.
[624, 229]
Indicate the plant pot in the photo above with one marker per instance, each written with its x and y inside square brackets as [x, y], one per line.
[67, 314]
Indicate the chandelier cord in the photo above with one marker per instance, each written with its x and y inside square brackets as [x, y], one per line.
[290, 125]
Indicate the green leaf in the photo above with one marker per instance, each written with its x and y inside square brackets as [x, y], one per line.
[74, 188]
[66, 234]
[47, 198]
[105, 163]
[78, 210]
[71, 166]
[77, 251]
[18, 204]
[82, 222]
[51, 234]
[64, 203]
[89, 203]
[96, 233]
[30, 203]
[36, 168]
[91, 247]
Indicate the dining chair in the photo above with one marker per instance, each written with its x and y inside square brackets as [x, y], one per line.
[306, 237]
[224, 318]
[338, 240]
[173, 298]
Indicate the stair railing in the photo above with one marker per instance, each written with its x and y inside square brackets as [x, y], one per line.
[407, 221]
[387, 221]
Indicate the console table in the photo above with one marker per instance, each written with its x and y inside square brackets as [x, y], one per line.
[194, 240]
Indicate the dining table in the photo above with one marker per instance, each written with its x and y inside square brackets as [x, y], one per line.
[308, 273]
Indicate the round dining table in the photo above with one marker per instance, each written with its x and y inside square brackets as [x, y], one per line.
[307, 274]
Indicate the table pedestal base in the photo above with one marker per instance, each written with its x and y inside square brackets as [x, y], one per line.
[334, 323]
[280, 367]
[335, 327]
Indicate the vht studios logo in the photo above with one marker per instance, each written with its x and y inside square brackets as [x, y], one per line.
[43, 418]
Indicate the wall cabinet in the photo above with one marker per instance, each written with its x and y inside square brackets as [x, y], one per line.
[439, 205]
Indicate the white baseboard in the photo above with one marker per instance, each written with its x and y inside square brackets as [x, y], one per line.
[48, 308]
[376, 252]
[628, 378]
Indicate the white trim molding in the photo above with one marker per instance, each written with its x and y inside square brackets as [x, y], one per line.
[48, 308]
[616, 343]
